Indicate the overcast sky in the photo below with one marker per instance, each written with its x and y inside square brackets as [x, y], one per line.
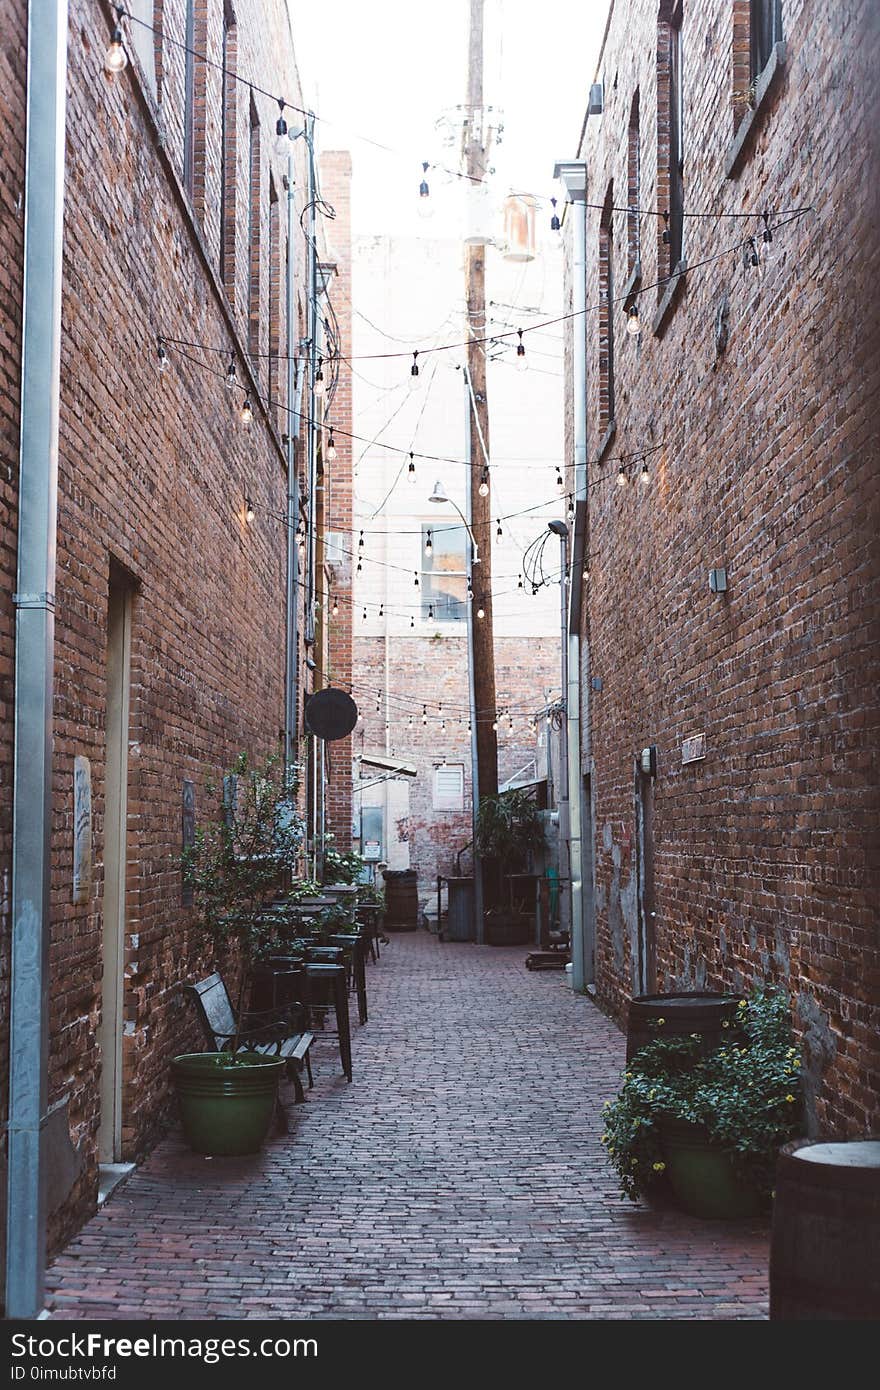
[386, 71]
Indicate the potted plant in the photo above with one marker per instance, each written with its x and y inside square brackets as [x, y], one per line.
[509, 832]
[709, 1125]
[238, 857]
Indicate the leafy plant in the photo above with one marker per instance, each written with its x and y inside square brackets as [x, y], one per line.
[339, 867]
[240, 856]
[509, 828]
[746, 1094]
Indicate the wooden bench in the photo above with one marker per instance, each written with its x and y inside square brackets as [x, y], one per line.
[272, 1032]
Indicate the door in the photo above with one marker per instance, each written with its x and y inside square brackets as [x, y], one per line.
[115, 818]
[646, 963]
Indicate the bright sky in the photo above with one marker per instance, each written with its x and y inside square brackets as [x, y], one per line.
[386, 71]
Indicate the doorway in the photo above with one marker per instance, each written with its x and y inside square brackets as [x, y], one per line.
[646, 962]
[118, 675]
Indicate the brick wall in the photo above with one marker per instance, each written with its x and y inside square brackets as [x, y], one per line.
[758, 385]
[153, 475]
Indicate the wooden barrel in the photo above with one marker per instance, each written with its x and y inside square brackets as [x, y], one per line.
[825, 1245]
[695, 1012]
[401, 899]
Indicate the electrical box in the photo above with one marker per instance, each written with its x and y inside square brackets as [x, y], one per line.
[648, 761]
[596, 101]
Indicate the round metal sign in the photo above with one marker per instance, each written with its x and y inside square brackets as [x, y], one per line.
[330, 714]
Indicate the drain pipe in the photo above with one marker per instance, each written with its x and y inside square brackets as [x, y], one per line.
[34, 655]
[294, 386]
[573, 175]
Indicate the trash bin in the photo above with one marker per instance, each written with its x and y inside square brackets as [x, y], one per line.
[401, 899]
[460, 924]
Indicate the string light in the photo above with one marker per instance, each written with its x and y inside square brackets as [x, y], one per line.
[411, 470]
[510, 721]
[481, 612]
[495, 725]
[365, 612]
[750, 253]
[560, 481]
[766, 235]
[429, 546]
[430, 610]
[282, 144]
[319, 378]
[381, 610]
[414, 369]
[116, 58]
[231, 379]
[412, 623]
[248, 510]
[644, 476]
[484, 482]
[335, 609]
[521, 363]
[470, 588]
[361, 541]
[666, 237]
[554, 220]
[331, 447]
[499, 534]
[425, 208]
[570, 508]
[424, 714]
[520, 584]
[621, 476]
[416, 579]
[633, 323]
[162, 355]
[360, 567]
[246, 413]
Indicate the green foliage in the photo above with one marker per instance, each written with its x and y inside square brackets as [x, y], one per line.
[339, 867]
[746, 1094]
[509, 829]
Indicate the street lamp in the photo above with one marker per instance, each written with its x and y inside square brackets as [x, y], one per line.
[439, 496]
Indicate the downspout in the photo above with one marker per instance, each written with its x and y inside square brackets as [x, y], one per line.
[479, 922]
[294, 387]
[34, 602]
[311, 451]
[573, 174]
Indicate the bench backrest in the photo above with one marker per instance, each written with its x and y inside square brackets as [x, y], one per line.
[214, 1009]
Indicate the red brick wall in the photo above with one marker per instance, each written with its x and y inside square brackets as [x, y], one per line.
[767, 851]
[154, 470]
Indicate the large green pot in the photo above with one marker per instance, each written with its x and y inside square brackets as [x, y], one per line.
[226, 1109]
[702, 1176]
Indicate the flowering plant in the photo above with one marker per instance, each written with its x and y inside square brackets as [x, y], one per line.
[745, 1094]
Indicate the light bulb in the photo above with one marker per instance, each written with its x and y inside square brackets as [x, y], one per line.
[520, 584]
[412, 623]
[162, 355]
[499, 535]
[429, 548]
[414, 370]
[644, 475]
[633, 326]
[411, 469]
[495, 725]
[331, 448]
[424, 714]
[230, 373]
[282, 142]
[320, 384]
[249, 510]
[430, 610]
[481, 612]
[621, 476]
[554, 220]
[246, 413]
[484, 482]
[426, 207]
[365, 613]
[521, 362]
[361, 541]
[381, 610]
[116, 58]
[335, 609]
[560, 482]
[416, 580]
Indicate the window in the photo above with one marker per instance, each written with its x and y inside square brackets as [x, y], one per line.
[765, 30]
[146, 39]
[189, 97]
[606, 316]
[633, 189]
[228, 151]
[670, 138]
[449, 787]
[444, 573]
[274, 293]
[253, 222]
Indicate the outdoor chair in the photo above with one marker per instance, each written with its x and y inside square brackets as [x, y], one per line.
[318, 978]
[271, 1032]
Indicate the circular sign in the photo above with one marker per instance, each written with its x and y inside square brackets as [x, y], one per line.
[330, 714]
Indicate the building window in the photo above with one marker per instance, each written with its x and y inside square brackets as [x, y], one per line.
[765, 30]
[606, 315]
[228, 151]
[633, 189]
[449, 787]
[274, 294]
[253, 223]
[189, 96]
[444, 573]
[146, 39]
[670, 138]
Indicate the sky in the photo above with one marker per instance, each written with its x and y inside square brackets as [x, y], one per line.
[382, 74]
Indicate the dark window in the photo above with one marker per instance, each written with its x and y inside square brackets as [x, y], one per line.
[253, 222]
[765, 30]
[633, 188]
[444, 573]
[606, 314]
[676, 140]
[228, 151]
[189, 97]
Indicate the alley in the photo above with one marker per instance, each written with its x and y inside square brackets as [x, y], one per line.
[460, 1176]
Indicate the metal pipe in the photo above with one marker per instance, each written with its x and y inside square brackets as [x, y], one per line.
[294, 385]
[34, 603]
[472, 689]
[561, 530]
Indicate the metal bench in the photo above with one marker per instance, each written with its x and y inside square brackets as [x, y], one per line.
[272, 1032]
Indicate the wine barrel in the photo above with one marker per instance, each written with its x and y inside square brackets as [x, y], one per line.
[695, 1012]
[825, 1243]
[401, 899]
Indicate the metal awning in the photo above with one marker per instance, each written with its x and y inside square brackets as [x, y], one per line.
[388, 764]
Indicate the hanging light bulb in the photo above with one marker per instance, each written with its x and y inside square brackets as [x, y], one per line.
[331, 447]
[750, 253]
[414, 369]
[622, 479]
[230, 374]
[766, 238]
[116, 58]
[633, 324]
[520, 584]
[495, 725]
[424, 714]
[320, 384]
[411, 469]
[481, 612]
[666, 236]
[248, 510]
[429, 545]
[416, 579]
[470, 588]
[443, 726]
[335, 609]
[361, 541]
[410, 722]
[554, 219]
[246, 414]
[282, 143]
[381, 610]
[484, 482]
[430, 610]
[510, 721]
[412, 623]
[560, 481]
[161, 355]
[521, 363]
[469, 726]
[644, 476]
[499, 534]
[365, 612]
[426, 207]
[570, 508]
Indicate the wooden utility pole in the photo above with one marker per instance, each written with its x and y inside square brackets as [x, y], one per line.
[475, 157]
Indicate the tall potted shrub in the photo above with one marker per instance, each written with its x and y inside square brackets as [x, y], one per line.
[510, 832]
[238, 857]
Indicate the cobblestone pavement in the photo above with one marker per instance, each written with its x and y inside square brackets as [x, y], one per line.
[459, 1176]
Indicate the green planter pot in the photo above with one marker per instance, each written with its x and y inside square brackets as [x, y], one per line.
[702, 1177]
[226, 1110]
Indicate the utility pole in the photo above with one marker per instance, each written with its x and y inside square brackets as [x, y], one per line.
[475, 156]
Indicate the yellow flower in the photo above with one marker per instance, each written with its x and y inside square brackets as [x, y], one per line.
[742, 1004]
[636, 1122]
[603, 1138]
[660, 1022]
[651, 1095]
[725, 1023]
[659, 1167]
[790, 1099]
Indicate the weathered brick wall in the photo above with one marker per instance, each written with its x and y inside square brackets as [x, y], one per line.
[154, 473]
[766, 862]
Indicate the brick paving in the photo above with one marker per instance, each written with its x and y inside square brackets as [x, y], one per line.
[460, 1176]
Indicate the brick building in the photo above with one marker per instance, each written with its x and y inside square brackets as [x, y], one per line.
[181, 255]
[745, 847]
[410, 630]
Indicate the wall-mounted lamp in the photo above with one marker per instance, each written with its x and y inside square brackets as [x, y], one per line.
[648, 761]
